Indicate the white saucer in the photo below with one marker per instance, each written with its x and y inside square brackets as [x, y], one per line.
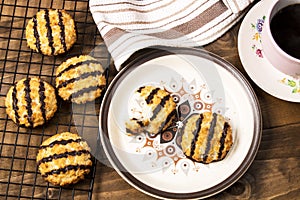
[256, 64]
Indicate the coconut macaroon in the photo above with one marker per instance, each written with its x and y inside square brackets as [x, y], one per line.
[80, 79]
[64, 159]
[151, 109]
[206, 137]
[51, 32]
[31, 102]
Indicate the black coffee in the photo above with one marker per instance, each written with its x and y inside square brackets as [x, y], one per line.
[285, 28]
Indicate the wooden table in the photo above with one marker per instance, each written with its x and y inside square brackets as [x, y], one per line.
[274, 174]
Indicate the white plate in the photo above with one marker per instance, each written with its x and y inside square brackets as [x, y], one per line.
[201, 81]
[257, 66]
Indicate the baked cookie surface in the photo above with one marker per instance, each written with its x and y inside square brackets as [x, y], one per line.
[151, 109]
[80, 79]
[31, 102]
[206, 137]
[64, 159]
[51, 32]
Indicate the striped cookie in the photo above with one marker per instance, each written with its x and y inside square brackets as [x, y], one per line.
[64, 159]
[151, 109]
[80, 79]
[31, 102]
[207, 137]
[51, 32]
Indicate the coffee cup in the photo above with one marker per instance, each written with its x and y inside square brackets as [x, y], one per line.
[281, 37]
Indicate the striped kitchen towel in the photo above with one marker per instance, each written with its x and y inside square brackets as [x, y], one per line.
[127, 26]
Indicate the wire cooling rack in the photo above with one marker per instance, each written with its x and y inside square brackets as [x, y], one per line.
[18, 146]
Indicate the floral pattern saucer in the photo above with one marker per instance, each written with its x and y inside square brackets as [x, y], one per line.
[257, 66]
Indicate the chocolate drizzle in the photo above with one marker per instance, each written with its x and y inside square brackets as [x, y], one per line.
[28, 100]
[49, 32]
[62, 142]
[222, 140]
[62, 155]
[196, 134]
[76, 65]
[140, 123]
[210, 136]
[151, 95]
[86, 90]
[164, 100]
[140, 89]
[168, 119]
[42, 99]
[15, 104]
[82, 76]
[62, 30]
[67, 168]
[36, 34]
[160, 106]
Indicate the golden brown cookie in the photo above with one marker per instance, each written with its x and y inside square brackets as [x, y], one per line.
[80, 79]
[151, 109]
[207, 137]
[31, 102]
[51, 32]
[64, 159]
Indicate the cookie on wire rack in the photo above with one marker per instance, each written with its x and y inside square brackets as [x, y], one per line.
[51, 32]
[80, 79]
[31, 102]
[64, 159]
